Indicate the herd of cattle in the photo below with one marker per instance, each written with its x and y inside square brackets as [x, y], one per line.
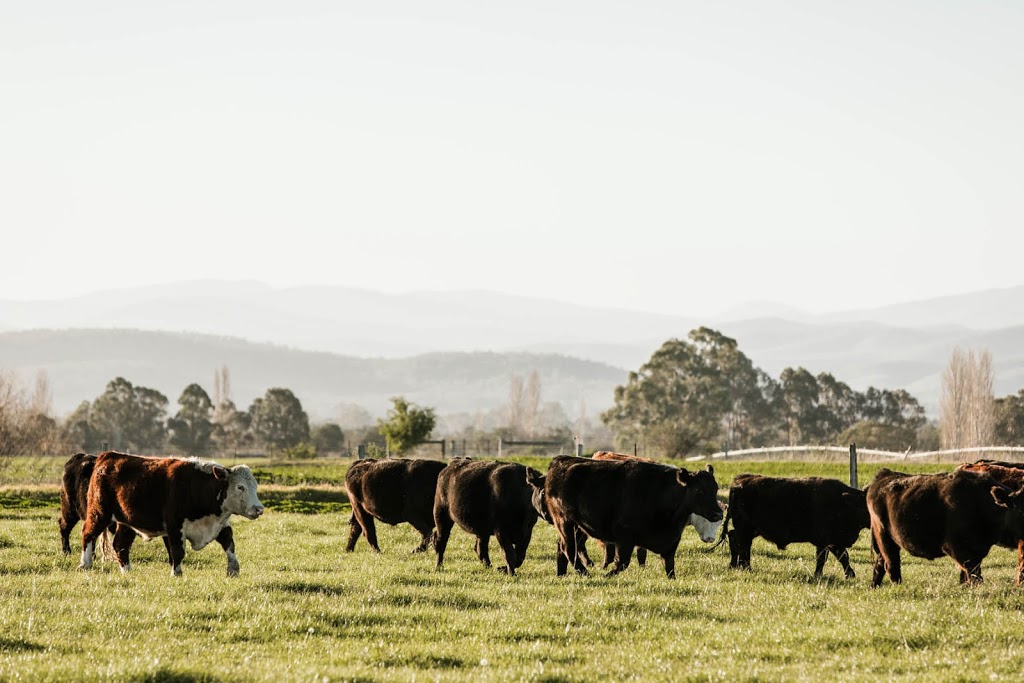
[623, 502]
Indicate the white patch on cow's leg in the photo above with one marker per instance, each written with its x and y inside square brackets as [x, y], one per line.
[87, 555]
[176, 570]
[233, 567]
[126, 567]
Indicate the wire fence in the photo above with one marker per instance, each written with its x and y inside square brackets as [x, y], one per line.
[1010, 453]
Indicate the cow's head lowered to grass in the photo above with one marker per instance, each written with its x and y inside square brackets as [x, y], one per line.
[240, 497]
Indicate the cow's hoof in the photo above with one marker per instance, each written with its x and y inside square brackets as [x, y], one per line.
[175, 571]
[126, 567]
[83, 568]
[233, 573]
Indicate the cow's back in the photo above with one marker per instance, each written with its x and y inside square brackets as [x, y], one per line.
[394, 490]
[481, 496]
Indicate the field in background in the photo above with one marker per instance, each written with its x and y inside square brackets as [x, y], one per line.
[304, 610]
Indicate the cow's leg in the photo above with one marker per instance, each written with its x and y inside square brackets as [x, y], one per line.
[509, 549]
[443, 524]
[426, 536]
[843, 555]
[970, 566]
[670, 563]
[609, 554]
[226, 538]
[124, 536]
[623, 554]
[353, 533]
[821, 554]
[482, 548]
[96, 521]
[734, 556]
[175, 545]
[567, 533]
[365, 520]
[523, 543]
[888, 559]
[561, 560]
[641, 556]
[1020, 562]
[581, 548]
[68, 519]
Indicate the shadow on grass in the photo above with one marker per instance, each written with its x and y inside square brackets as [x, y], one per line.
[9, 645]
[455, 601]
[307, 588]
[165, 675]
[423, 661]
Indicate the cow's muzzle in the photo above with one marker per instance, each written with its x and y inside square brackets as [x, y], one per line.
[254, 512]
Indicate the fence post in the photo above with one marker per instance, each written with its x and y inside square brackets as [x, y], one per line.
[499, 446]
[853, 465]
[579, 449]
[361, 451]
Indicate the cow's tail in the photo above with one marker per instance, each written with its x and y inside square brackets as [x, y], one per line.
[725, 524]
[107, 546]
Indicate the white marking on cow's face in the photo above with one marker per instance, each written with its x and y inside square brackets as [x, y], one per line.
[706, 529]
[241, 497]
[199, 532]
[87, 554]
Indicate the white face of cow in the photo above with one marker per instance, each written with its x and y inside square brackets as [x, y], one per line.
[706, 529]
[241, 497]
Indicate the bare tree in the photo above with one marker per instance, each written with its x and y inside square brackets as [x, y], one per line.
[532, 404]
[515, 404]
[966, 404]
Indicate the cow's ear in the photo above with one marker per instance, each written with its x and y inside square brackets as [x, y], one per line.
[1001, 496]
[220, 472]
[534, 478]
[683, 476]
[711, 470]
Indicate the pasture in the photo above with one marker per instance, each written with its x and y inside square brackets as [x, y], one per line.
[304, 610]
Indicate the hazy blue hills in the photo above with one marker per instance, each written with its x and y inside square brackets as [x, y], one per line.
[80, 362]
[456, 350]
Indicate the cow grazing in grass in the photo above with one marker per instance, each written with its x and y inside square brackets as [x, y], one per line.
[628, 503]
[539, 499]
[705, 528]
[961, 514]
[174, 498]
[393, 491]
[486, 498]
[1010, 475]
[823, 512]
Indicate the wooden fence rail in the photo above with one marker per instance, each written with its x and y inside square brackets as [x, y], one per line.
[896, 455]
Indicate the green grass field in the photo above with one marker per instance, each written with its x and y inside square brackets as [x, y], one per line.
[303, 610]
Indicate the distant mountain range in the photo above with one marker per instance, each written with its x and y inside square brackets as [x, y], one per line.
[456, 350]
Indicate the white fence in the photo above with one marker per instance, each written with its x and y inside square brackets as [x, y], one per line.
[964, 453]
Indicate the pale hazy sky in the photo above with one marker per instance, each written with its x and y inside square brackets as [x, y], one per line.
[671, 156]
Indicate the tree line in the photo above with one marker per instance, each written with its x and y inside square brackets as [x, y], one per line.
[703, 394]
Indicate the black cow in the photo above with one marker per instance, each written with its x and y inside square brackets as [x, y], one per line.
[961, 514]
[1010, 475]
[824, 512]
[629, 503]
[395, 490]
[485, 498]
[74, 493]
[540, 504]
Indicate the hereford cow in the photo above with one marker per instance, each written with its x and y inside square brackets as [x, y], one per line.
[824, 512]
[1010, 475]
[705, 528]
[961, 514]
[393, 491]
[174, 498]
[628, 503]
[485, 498]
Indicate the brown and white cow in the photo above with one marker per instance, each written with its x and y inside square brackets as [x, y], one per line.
[705, 528]
[629, 503]
[824, 512]
[961, 514]
[394, 490]
[173, 498]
